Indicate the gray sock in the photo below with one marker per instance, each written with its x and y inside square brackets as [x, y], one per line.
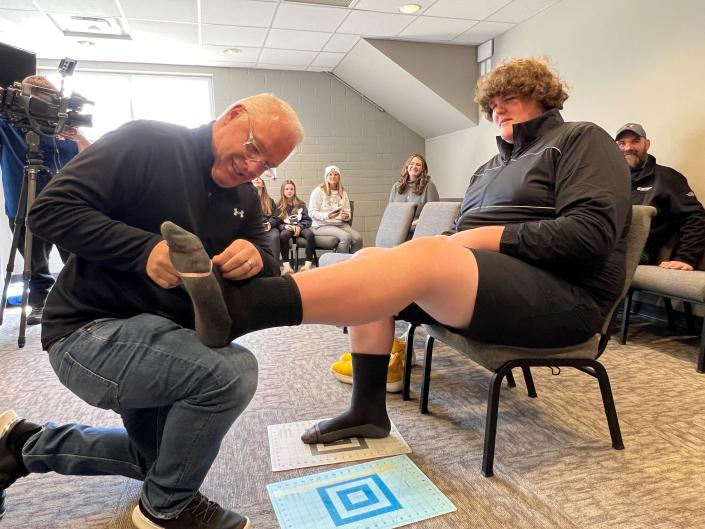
[195, 267]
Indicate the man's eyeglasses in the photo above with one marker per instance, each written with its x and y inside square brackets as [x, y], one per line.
[253, 152]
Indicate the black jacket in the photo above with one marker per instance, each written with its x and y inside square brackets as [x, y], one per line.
[562, 193]
[295, 216]
[106, 207]
[678, 211]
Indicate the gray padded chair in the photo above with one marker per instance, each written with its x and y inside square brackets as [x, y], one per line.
[687, 287]
[393, 230]
[502, 359]
[435, 218]
[326, 243]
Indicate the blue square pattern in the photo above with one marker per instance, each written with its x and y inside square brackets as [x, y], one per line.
[358, 499]
[350, 497]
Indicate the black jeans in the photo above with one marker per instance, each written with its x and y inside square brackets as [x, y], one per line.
[41, 280]
[306, 233]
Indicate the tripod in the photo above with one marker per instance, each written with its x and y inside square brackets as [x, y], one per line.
[32, 169]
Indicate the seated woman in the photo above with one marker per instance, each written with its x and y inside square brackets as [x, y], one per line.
[414, 185]
[270, 215]
[329, 207]
[537, 259]
[294, 222]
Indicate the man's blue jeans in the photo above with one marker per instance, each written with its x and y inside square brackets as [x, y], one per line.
[177, 399]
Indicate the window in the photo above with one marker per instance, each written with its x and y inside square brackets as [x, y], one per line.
[122, 97]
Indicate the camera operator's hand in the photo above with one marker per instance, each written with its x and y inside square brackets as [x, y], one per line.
[159, 267]
[73, 134]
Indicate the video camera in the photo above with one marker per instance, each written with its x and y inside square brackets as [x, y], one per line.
[44, 110]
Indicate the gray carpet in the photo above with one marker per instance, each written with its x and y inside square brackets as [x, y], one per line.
[554, 466]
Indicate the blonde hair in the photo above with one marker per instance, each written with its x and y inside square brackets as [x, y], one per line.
[420, 182]
[264, 199]
[326, 186]
[529, 77]
[284, 204]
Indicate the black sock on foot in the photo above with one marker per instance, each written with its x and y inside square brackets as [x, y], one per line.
[17, 438]
[261, 303]
[367, 415]
[195, 267]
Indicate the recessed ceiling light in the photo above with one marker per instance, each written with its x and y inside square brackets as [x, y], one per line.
[232, 51]
[409, 9]
[87, 43]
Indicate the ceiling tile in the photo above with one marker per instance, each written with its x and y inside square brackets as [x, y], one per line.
[94, 8]
[288, 57]
[237, 12]
[233, 35]
[216, 53]
[26, 5]
[475, 10]
[145, 31]
[390, 6]
[375, 24]
[341, 42]
[436, 29]
[296, 40]
[177, 11]
[520, 10]
[309, 17]
[482, 32]
[19, 21]
[327, 60]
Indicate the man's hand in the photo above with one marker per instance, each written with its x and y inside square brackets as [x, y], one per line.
[676, 265]
[240, 260]
[73, 134]
[159, 267]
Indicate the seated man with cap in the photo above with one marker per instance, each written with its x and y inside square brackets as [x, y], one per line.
[678, 209]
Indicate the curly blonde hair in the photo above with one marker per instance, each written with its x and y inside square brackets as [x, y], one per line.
[530, 77]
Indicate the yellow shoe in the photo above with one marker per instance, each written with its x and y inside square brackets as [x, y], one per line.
[342, 370]
[398, 347]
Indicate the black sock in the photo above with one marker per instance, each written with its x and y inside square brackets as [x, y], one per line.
[261, 303]
[16, 440]
[367, 415]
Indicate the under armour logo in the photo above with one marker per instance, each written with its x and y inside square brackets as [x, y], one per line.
[239, 213]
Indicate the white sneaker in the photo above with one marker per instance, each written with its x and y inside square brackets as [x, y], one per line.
[287, 270]
[308, 265]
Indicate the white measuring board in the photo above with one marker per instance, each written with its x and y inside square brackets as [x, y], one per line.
[381, 494]
[288, 451]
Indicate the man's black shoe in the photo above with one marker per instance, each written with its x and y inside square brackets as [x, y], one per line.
[14, 431]
[201, 513]
[35, 316]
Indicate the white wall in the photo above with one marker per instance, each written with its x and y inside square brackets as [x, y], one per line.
[626, 60]
[343, 129]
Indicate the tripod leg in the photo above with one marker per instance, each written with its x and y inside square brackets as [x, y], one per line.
[16, 235]
[32, 174]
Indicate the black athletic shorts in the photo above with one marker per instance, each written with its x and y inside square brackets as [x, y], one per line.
[522, 305]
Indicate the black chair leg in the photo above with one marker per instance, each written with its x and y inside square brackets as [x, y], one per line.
[426, 382]
[670, 315]
[491, 421]
[510, 380]
[627, 307]
[407, 361]
[690, 322]
[608, 402]
[701, 357]
[529, 381]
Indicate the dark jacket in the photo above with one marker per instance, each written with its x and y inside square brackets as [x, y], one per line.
[13, 156]
[273, 219]
[106, 208]
[678, 212]
[562, 193]
[295, 216]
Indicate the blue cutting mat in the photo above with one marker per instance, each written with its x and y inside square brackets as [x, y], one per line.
[382, 494]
